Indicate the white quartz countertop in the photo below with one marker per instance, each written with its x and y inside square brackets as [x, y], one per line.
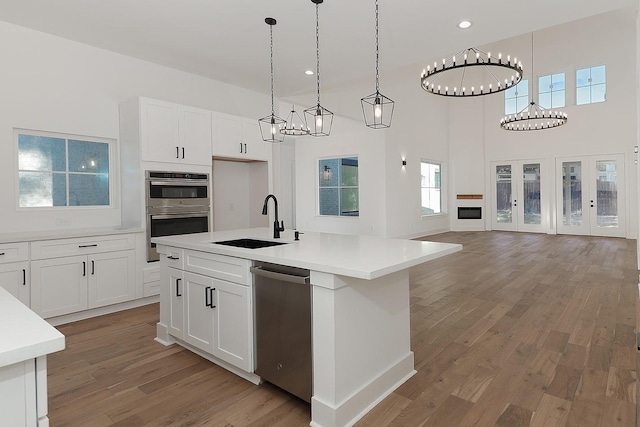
[24, 334]
[30, 236]
[364, 257]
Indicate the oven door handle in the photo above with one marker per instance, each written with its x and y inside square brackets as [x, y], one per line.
[181, 215]
[180, 183]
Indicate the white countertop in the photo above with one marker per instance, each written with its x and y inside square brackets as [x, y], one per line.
[29, 236]
[364, 257]
[24, 334]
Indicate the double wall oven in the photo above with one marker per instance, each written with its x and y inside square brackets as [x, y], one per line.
[176, 203]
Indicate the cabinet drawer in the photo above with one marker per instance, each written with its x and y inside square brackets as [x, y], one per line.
[222, 267]
[81, 246]
[172, 256]
[12, 252]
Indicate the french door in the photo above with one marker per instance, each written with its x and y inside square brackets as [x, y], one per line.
[590, 195]
[520, 200]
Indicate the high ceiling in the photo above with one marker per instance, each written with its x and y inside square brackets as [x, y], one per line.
[228, 40]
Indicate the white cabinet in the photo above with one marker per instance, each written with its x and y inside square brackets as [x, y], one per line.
[18, 391]
[14, 270]
[208, 304]
[238, 138]
[167, 132]
[69, 275]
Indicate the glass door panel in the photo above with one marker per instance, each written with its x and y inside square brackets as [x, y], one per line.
[607, 194]
[532, 207]
[572, 194]
[504, 195]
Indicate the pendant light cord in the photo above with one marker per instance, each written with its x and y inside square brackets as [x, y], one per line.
[532, 74]
[318, 52]
[377, 52]
[272, 105]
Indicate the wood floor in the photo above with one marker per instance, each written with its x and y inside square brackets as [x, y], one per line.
[515, 330]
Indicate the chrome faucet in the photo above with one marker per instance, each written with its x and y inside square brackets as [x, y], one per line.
[277, 228]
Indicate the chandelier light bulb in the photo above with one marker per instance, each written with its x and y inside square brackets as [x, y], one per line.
[319, 121]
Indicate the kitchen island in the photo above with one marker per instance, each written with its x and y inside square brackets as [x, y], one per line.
[26, 341]
[360, 308]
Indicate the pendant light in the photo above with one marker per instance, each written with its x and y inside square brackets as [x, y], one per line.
[318, 118]
[377, 108]
[533, 116]
[294, 126]
[271, 125]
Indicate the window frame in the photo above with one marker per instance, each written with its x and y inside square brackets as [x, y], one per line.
[551, 91]
[112, 171]
[443, 190]
[516, 97]
[339, 187]
[590, 85]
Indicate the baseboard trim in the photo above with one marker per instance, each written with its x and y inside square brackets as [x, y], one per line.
[101, 311]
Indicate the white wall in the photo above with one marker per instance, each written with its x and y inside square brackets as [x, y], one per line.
[603, 128]
[53, 84]
[348, 138]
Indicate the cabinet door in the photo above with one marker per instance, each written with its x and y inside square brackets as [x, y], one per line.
[195, 136]
[159, 131]
[232, 336]
[59, 285]
[14, 277]
[255, 147]
[176, 302]
[111, 278]
[198, 328]
[227, 136]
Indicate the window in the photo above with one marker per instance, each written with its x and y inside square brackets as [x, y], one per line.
[551, 91]
[62, 170]
[591, 85]
[516, 98]
[338, 187]
[431, 186]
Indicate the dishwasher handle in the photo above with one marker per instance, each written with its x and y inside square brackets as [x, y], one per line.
[259, 271]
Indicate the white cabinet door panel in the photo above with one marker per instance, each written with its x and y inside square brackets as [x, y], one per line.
[111, 278]
[14, 277]
[159, 130]
[232, 337]
[199, 313]
[59, 285]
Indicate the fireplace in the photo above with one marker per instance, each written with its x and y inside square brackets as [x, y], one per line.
[470, 212]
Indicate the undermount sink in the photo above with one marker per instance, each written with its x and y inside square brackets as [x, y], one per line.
[250, 243]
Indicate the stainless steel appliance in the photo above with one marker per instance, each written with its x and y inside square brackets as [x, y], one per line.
[283, 327]
[176, 203]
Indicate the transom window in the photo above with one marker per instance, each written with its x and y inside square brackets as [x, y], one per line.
[338, 187]
[62, 170]
[516, 98]
[431, 187]
[551, 91]
[591, 85]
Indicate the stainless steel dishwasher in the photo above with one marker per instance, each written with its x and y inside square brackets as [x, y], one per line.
[283, 327]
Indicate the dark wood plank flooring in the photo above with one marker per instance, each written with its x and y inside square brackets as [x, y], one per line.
[516, 330]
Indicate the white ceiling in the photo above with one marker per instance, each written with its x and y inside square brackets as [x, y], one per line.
[228, 40]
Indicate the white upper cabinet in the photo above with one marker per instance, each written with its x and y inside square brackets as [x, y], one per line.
[238, 138]
[168, 132]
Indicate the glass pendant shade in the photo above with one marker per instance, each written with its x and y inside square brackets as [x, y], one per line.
[271, 125]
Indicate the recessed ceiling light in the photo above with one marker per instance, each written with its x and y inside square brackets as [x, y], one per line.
[464, 24]
[309, 73]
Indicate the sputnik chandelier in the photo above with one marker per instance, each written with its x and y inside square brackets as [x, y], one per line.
[471, 72]
[533, 116]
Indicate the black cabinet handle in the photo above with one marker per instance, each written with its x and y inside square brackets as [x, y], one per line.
[84, 268]
[172, 257]
[178, 294]
[88, 246]
[2, 253]
[207, 301]
[93, 267]
[24, 277]
[177, 152]
[245, 148]
[211, 297]
[241, 148]
[183, 152]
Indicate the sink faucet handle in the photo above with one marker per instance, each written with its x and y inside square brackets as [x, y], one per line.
[281, 226]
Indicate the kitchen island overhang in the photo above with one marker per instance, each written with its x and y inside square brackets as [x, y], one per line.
[360, 312]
